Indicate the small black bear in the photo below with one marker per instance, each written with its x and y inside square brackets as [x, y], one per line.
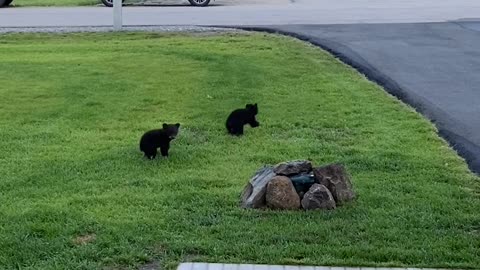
[156, 138]
[238, 118]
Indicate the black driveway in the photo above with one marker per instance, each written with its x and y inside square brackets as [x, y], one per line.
[435, 67]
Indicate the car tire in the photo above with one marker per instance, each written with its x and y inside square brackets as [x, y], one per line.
[5, 3]
[108, 3]
[199, 3]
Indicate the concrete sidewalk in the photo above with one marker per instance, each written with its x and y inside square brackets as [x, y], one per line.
[220, 266]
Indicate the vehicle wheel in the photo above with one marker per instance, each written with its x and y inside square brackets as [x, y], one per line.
[5, 3]
[199, 3]
[108, 3]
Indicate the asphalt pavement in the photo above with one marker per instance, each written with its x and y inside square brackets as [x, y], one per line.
[250, 12]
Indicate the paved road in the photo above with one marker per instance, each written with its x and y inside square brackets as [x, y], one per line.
[433, 66]
[265, 13]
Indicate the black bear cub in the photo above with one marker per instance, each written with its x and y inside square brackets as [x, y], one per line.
[238, 118]
[158, 138]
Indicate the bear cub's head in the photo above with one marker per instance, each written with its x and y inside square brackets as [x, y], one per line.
[253, 108]
[253, 111]
[171, 130]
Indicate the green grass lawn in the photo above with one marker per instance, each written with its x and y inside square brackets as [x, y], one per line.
[73, 108]
[22, 3]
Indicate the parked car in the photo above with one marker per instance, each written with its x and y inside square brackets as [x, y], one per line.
[109, 3]
[197, 3]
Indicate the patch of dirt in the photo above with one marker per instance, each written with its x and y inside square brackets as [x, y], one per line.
[84, 239]
[114, 268]
[155, 265]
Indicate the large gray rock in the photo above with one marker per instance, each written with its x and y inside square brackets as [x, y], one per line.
[337, 180]
[318, 197]
[281, 194]
[253, 195]
[293, 167]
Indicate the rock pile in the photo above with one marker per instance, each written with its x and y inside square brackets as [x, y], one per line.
[298, 185]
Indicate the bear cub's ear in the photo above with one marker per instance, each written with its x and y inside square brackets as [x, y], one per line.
[178, 125]
[165, 125]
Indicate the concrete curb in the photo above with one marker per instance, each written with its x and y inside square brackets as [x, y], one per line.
[221, 266]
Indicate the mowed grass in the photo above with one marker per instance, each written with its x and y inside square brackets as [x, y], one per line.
[75, 192]
[50, 3]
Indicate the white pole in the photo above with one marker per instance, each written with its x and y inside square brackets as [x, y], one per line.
[117, 15]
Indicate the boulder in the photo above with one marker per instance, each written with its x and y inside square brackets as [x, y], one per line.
[337, 180]
[293, 167]
[253, 195]
[281, 194]
[318, 197]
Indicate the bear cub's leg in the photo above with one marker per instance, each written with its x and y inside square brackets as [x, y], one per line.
[238, 130]
[151, 154]
[164, 149]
